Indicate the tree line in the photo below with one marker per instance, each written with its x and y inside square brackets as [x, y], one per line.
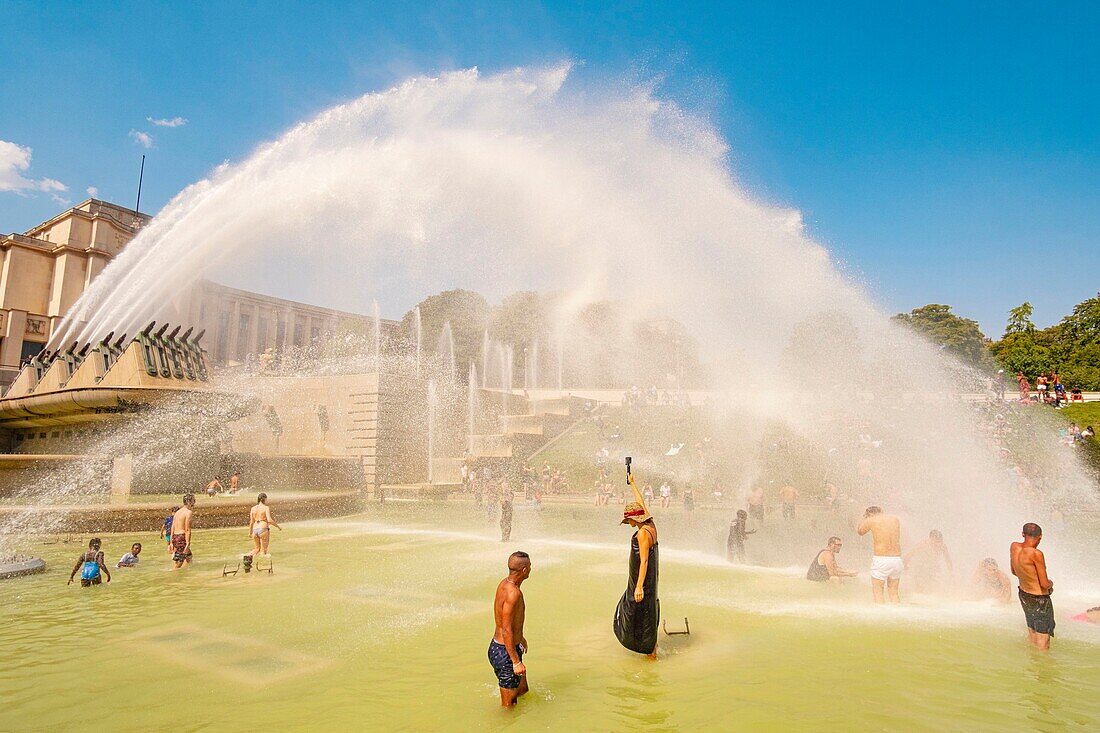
[1070, 347]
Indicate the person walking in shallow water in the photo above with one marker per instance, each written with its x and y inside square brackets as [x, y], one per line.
[1030, 566]
[735, 543]
[508, 645]
[260, 522]
[91, 565]
[638, 614]
[181, 533]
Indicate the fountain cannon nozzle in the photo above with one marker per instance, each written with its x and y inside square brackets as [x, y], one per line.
[147, 329]
[160, 333]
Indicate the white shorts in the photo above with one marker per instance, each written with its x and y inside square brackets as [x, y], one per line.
[886, 567]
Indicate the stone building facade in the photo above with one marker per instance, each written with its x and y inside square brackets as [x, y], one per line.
[44, 270]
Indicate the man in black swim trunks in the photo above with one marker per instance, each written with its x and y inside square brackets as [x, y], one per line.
[508, 646]
[1030, 566]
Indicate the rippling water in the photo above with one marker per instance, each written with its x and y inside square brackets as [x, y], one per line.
[380, 622]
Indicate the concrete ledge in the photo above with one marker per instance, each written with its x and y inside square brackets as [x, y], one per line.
[29, 566]
[209, 513]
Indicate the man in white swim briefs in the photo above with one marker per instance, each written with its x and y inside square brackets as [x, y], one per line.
[886, 565]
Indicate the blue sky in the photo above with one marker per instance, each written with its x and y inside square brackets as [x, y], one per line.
[944, 154]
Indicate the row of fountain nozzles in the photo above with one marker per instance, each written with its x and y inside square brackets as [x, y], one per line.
[46, 357]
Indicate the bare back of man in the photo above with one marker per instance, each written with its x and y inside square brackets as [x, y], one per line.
[181, 533]
[1029, 565]
[508, 646]
[887, 563]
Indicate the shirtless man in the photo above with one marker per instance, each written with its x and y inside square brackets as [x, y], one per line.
[930, 563]
[181, 532]
[824, 567]
[235, 482]
[1029, 565]
[788, 495]
[260, 523]
[215, 486]
[990, 583]
[756, 504]
[886, 565]
[508, 646]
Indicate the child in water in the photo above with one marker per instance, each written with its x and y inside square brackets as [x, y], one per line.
[735, 544]
[91, 565]
[167, 534]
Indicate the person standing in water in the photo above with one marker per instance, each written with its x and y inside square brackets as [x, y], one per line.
[735, 543]
[756, 504]
[1030, 566]
[91, 565]
[929, 564]
[788, 495]
[638, 614]
[181, 532]
[886, 565]
[260, 522]
[508, 646]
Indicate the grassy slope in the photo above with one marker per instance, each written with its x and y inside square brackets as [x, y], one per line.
[1084, 415]
[647, 435]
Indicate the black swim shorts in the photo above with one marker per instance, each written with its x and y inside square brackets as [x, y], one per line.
[1039, 612]
[502, 664]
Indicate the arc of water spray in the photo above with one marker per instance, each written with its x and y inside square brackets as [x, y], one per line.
[419, 338]
[377, 333]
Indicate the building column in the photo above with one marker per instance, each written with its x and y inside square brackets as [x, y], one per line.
[15, 325]
[254, 341]
[122, 474]
[234, 329]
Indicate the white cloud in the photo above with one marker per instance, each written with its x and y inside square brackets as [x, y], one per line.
[92, 191]
[166, 122]
[14, 159]
[143, 139]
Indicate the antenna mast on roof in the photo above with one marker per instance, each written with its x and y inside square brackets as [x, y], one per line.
[141, 175]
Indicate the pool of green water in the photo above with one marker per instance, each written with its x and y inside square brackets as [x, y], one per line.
[381, 622]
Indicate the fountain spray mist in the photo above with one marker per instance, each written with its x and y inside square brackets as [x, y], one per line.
[519, 181]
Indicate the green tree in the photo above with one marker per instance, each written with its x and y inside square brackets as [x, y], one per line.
[1071, 347]
[466, 311]
[957, 335]
[1019, 319]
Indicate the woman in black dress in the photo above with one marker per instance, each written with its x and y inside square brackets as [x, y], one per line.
[638, 614]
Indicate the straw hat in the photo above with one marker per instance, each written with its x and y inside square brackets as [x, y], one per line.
[635, 511]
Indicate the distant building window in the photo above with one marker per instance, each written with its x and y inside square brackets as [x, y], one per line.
[261, 334]
[299, 334]
[243, 334]
[221, 345]
[29, 349]
[315, 335]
